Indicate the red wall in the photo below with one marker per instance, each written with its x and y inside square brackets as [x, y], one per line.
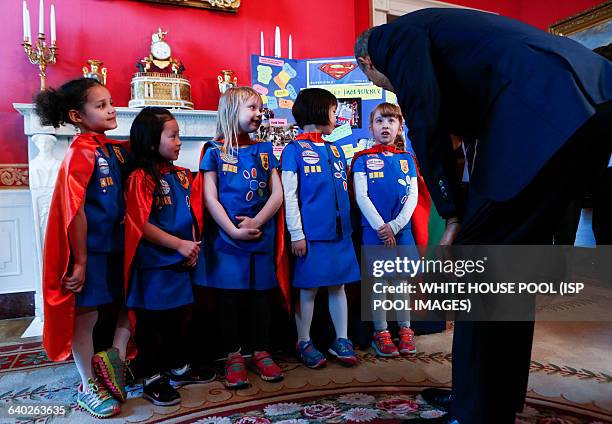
[118, 32]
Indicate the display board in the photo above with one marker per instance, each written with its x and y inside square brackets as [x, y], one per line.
[280, 80]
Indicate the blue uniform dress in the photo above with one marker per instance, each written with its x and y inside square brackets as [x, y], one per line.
[159, 279]
[243, 190]
[389, 178]
[325, 211]
[105, 212]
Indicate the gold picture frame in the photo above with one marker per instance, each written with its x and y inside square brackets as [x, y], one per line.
[592, 27]
[221, 5]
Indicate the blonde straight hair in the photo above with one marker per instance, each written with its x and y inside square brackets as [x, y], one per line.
[228, 127]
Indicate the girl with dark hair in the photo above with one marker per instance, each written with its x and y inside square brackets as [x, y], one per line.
[82, 264]
[318, 218]
[160, 255]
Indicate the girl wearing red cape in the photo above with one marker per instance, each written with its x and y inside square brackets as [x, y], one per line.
[82, 262]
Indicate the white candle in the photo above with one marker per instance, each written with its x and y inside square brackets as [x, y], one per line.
[277, 43]
[290, 47]
[261, 44]
[52, 24]
[29, 24]
[25, 17]
[41, 17]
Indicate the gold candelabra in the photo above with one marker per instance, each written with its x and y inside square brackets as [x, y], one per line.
[41, 55]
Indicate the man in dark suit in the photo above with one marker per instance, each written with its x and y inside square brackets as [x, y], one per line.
[541, 109]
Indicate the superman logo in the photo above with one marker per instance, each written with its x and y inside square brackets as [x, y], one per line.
[338, 70]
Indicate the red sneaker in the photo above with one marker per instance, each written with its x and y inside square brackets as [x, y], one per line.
[406, 341]
[383, 345]
[235, 371]
[266, 367]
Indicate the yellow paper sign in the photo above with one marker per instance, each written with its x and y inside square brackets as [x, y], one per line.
[281, 93]
[284, 103]
[282, 79]
[365, 92]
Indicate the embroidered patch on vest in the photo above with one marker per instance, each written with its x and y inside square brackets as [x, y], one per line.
[377, 174]
[229, 168]
[265, 163]
[103, 166]
[404, 165]
[312, 168]
[305, 145]
[182, 176]
[310, 157]
[375, 164]
[335, 151]
[118, 154]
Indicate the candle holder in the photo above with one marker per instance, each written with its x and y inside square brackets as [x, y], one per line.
[41, 55]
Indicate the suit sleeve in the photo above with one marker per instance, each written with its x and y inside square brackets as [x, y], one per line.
[416, 83]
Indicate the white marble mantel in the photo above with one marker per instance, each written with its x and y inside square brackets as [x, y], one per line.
[47, 146]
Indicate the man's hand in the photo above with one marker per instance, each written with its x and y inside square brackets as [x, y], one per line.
[75, 281]
[299, 247]
[453, 225]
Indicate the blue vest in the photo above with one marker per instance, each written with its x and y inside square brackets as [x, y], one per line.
[243, 190]
[171, 212]
[323, 191]
[104, 202]
[388, 182]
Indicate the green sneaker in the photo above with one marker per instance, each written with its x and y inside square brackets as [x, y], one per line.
[110, 370]
[96, 400]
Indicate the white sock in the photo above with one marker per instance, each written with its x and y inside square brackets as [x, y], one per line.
[338, 310]
[82, 344]
[304, 311]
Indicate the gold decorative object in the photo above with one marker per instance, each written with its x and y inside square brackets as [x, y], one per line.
[41, 55]
[221, 5]
[96, 71]
[227, 79]
[584, 21]
[160, 80]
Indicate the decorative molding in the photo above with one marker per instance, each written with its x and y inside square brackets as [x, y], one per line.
[10, 248]
[14, 175]
[583, 20]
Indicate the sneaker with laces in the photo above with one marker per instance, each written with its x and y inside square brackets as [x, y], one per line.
[406, 341]
[235, 371]
[266, 367]
[159, 391]
[342, 349]
[110, 371]
[383, 344]
[188, 375]
[97, 401]
[311, 357]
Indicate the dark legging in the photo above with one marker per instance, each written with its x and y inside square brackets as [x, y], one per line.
[160, 339]
[249, 309]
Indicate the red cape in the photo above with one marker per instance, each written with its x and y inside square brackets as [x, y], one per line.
[69, 194]
[281, 258]
[420, 216]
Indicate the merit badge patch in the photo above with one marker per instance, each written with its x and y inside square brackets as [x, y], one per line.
[183, 179]
[264, 161]
[404, 165]
[310, 157]
[335, 151]
[103, 166]
[375, 164]
[118, 154]
[164, 187]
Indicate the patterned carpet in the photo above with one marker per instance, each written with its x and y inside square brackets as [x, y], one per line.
[570, 383]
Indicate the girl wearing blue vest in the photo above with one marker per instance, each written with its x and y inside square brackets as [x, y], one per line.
[386, 192]
[242, 193]
[83, 251]
[160, 255]
[318, 218]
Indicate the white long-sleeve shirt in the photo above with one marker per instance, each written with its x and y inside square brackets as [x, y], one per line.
[368, 209]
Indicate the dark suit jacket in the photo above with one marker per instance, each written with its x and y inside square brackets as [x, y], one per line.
[520, 91]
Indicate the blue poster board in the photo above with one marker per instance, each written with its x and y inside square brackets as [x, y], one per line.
[279, 80]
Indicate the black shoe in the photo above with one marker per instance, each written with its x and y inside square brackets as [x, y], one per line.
[188, 375]
[158, 390]
[440, 398]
